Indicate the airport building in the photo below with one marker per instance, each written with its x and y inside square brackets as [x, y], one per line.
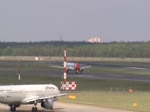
[94, 40]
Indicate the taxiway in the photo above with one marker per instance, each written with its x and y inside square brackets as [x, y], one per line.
[62, 107]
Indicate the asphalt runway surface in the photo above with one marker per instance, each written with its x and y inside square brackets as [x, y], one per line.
[62, 107]
[145, 78]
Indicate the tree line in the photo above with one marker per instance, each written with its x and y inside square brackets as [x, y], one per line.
[79, 49]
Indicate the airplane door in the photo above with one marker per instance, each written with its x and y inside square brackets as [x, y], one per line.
[3, 95]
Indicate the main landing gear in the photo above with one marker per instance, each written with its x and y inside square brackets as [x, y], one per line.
[34, 109]
[12, 108]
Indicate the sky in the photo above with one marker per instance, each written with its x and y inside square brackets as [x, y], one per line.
[74, 20]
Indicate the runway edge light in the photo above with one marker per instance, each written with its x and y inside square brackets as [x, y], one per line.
[73, 97]
[131, 90]
[134, 105]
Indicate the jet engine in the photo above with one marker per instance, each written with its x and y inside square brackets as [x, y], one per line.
[48, 103]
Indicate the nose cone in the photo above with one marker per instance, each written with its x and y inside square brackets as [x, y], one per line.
[57, 90]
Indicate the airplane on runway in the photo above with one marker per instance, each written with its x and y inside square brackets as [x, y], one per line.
[17, 95]
[76, 67]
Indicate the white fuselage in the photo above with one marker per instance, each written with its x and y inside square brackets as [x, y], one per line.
[70, 65]
[18, 94]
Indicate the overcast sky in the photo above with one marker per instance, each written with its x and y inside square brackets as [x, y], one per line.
[74, 20]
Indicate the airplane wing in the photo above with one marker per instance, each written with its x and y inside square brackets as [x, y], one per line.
[68, 68]
[57, 66]
[83, 67]
[39, 98]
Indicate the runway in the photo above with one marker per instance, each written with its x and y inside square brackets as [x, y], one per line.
[145, 78]
[62, 107]
[85, 74]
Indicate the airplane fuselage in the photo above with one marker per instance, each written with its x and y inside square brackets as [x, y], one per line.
[74, 66]
[18, 94]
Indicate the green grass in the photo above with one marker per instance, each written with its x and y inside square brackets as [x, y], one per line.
[84, 84]
[120, 100]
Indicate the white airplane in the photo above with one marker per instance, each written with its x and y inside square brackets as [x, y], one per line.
[76, 67]
[17, 95]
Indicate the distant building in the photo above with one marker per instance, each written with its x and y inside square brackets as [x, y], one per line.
[94, 40]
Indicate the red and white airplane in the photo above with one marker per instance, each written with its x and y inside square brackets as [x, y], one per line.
[76, 67]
